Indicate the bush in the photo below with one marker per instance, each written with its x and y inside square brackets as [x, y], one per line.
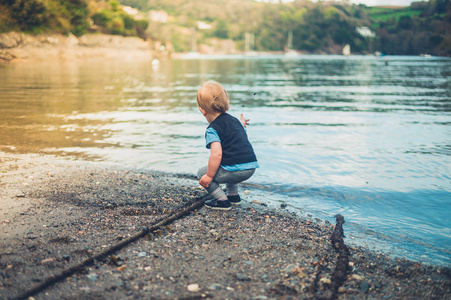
[117, 26]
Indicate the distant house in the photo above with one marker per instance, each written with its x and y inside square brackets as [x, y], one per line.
[158, 16]
[203, 26]
[130, 10]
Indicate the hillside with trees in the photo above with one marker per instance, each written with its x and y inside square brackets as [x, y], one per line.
[68, 16]
[317, 27]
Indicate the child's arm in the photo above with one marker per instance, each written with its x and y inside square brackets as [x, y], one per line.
[244, 121]
[213, 164]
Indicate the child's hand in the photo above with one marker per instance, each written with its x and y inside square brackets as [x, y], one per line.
[244, 121]
[205, 181]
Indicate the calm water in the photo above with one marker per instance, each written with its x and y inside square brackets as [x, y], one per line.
[333, 134]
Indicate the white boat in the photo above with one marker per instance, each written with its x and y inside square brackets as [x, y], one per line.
[347, 49]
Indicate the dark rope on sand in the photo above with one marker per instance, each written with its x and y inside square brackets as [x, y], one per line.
[339, 274]
[110, 250]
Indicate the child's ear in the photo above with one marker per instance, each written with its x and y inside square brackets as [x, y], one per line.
[202, 111]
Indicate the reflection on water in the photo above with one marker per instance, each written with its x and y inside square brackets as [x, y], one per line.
[333, 134]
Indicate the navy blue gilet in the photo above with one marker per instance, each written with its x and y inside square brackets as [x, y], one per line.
[236, 148]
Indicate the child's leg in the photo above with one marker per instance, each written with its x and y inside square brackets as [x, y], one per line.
[232, 189]
[221, 200]
[231, 179]
[213, 189]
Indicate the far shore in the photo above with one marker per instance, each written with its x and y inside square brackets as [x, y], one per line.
[57, 212]
[19, 47]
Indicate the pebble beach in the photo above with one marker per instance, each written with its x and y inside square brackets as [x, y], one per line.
[57, 212]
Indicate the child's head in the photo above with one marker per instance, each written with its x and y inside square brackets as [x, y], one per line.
[213, 98]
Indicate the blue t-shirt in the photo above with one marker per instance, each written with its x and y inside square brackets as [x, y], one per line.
[211, 135]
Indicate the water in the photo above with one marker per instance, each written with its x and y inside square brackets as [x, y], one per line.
[333, 134]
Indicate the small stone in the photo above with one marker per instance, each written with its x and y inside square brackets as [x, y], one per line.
[242, 277]
[92, 277]
[296, 270]
[351, 264]
[20, 196]
[193, 287]
[121, 268]
[66, 257]
[387, 296]
[325, 280]
[342, 289]
[213, 232]
[47, 260]
[288, 270]
[142, 254]
[364, 287]
[283, 205]
[215, 286]
[356, 277]
[246, 192]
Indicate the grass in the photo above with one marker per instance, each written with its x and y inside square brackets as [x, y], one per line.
[388, 13]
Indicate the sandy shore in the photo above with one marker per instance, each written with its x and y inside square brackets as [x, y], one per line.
[16, 47]
[55, 213]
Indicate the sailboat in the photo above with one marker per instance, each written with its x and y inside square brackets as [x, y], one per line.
[347, 50]
[289, 51]
[249, 39]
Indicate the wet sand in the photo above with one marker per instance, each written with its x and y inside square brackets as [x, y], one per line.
[55, 213]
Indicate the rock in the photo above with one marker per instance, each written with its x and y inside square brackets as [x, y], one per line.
[283, 205]
[325, 280]
[242, 277]
[356, 277]
[142, 254]
[342, 289]
[193, 287]
[215, 286]
[20, 195]
[10, 39]
[92, 277]
[289, 270]
[213, 232]
[364, 287]
[47, 260]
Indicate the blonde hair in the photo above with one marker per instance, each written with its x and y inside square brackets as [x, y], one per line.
[213, 98]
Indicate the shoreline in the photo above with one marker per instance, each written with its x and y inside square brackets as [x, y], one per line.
[55, 213]
[16, 47]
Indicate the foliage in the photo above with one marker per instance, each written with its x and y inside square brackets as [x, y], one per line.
[427, 30]
[317, 27]
[44, 15]
[64, 16]
[320, 27]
